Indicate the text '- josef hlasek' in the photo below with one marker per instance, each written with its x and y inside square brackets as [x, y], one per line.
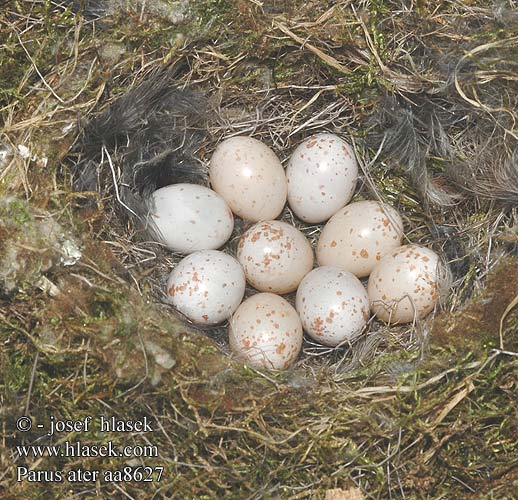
[78, 448]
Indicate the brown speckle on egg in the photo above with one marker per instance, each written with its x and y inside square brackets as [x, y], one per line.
[275, 256]
[275, 343]
[404, 284]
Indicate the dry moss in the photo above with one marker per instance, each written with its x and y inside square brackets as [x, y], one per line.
[477, 326]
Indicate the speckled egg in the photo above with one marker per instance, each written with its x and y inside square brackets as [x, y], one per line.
[359, 235]
[207, 286]
[275, 256]
[250, 177]
[405, 284]
[266, 332]
[333, 305]
[322, 174]
[190, 217]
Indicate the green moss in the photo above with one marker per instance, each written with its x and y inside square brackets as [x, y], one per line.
[16, 211]
[44, 44]
[16, 370]
[101, 309]
[213, 13]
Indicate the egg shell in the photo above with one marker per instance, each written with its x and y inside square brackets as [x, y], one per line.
[322, 174]
[250, 177]
[405, 284]
[359, 235]
[206, 286]
[266, 332]
[333, 305]
[190, 217]
[275, 256]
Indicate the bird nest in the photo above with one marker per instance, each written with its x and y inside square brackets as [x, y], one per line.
[114, 102]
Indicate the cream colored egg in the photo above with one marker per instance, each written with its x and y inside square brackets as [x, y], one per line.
[405, 284]
[322, 174]
[250, 177]
[266, 332]
[206, 286]
[190, 217]
[333, 305]
[358, 236]
[275, 256]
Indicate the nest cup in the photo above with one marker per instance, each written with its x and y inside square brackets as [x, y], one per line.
[158, 134]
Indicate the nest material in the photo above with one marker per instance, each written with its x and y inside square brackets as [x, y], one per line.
[97, 10]
[91, 9]
[479, 158]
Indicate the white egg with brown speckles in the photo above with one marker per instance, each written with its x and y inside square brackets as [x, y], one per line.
[266, 332]
[359, 235]
[322, 174]
[206, 287]
[250, 177]
[190, 217]
[275, 256]
[404, 285]
[333, 305]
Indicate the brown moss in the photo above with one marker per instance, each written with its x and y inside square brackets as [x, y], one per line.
[501, 487]
[477, 325]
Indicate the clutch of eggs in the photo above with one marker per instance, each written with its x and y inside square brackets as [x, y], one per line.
[332, 305]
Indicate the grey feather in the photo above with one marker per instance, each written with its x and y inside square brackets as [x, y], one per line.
[149, 137]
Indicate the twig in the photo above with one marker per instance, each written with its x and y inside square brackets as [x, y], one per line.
[31, 382]
[508, 309]
[331, 61]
